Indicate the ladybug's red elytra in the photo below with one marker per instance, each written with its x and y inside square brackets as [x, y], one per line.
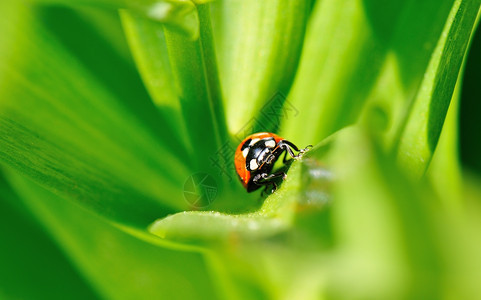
[256, 155]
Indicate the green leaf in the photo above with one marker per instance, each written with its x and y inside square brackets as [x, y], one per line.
[78, 134]
[117, 264]
[205, 226]
[358, 51]
[79, 130]
[444, 171]
[340, 60]
[325, 249]
[274, 217]
[27, 254]
[420, 134]
[258, 45]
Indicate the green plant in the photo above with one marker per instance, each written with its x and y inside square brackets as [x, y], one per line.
[95, 147]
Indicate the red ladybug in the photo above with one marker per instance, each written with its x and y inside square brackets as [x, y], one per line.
[256, 155]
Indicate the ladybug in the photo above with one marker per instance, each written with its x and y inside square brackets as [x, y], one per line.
[256, 155]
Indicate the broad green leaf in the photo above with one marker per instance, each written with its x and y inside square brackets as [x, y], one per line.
[349, 50]
[340, 59]
[258, 45]
[33, 267]
[379, 239]
[78, 134]
[420, 134]
[401, 257]
[369, 196]
[117, 264]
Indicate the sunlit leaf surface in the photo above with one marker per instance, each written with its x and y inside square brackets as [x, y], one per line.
[75, 133]
[136, 268]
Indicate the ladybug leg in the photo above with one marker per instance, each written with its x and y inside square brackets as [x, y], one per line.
[264, 178]
[279, 150]
[265, 192]
[267, 180]
[288, 146]
[284, 160]
[269, 189]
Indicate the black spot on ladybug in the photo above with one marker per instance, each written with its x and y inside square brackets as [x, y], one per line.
[245, 144]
